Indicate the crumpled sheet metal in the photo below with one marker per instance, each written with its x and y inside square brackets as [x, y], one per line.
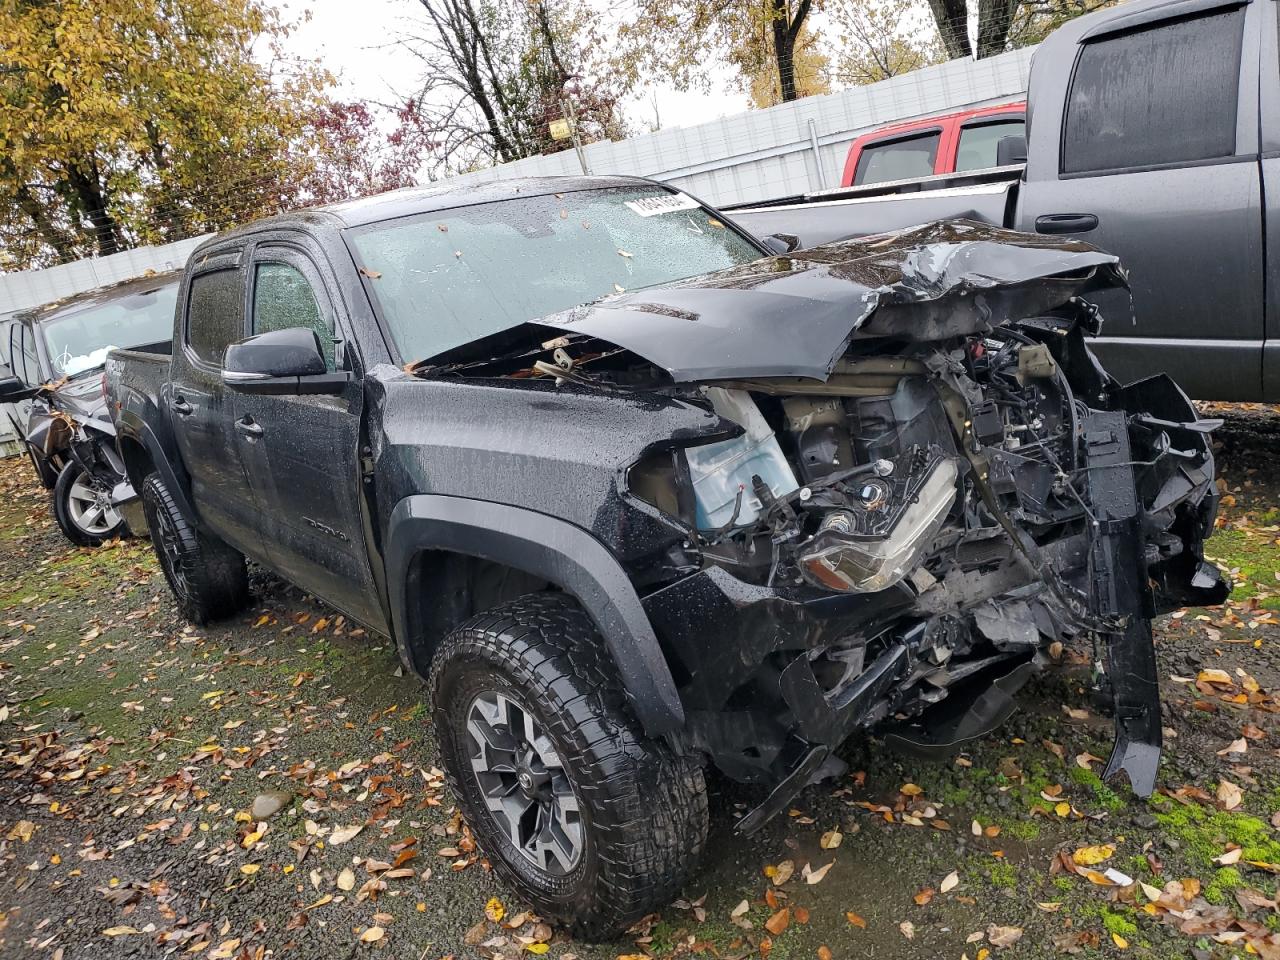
[794, 315]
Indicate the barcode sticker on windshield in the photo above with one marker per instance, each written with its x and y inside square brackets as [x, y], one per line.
[662, 203]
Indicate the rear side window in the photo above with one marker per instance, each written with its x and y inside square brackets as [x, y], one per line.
[215, 314]
[978, 143]
[1164, 94]
[898, 159]
[282, 298]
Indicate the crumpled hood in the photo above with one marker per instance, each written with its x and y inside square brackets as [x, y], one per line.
[82, 397]
[794, 315]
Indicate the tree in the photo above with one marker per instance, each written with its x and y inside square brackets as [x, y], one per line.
[495, 75]
[124, 121]
[810, 66]
[680, 39]
[1003, 24]
[882, 40]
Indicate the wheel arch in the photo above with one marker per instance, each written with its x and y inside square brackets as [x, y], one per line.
[425, 531]
[142, 454]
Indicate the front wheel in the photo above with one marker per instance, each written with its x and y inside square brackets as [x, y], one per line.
[82, 506]
[590, 820]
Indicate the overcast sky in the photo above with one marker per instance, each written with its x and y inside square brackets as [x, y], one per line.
[355, 39]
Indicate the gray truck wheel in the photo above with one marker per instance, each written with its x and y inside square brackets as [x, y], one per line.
[208, 578]
[83, 508]
[591, 821]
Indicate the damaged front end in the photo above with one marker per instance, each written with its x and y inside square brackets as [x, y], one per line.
[919, 485]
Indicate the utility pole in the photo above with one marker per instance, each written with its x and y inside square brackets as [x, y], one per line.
[571, 115]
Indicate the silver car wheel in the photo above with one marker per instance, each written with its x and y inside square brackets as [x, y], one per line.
[91, 508]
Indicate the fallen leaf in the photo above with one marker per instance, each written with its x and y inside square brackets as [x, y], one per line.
[1229, 795]
[1003, 936]
[824, 952]
[494, 909]
[118, 931]
[908, 929]
[816, 876]
[249, 869]
[949, 882]
[1119, 941]
[347, 879]
[855, 920]
[1228, 858]
[831, 839]
[372, 935]
[343, 834]
[778, 922]
[1089, 856]
[740, 909]
[1240, 745]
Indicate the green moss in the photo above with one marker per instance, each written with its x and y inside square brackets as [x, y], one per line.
[1064, 884]
[1024, 830]
[1118, 923]
[1002, 875]
[1223, 882]
[1207, 834]
[1252, 558]
[1104, 795]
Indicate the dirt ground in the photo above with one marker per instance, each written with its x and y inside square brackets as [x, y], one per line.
[133, 747]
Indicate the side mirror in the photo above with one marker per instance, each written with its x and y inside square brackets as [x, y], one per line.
[13, 390]
[780, 243]
[282, 362]
[1011, 150]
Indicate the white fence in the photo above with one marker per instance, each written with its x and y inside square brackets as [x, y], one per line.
[789, 149]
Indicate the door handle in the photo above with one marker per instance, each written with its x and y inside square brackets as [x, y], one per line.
[246, 427]
[1066, 223]
[181, 407]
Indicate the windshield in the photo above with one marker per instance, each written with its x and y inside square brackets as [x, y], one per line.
[79, 341]
[453, 276]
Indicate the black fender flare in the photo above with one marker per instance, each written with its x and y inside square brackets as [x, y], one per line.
[551, 549]
[132, 428]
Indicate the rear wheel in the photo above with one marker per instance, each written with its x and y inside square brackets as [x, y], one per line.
[590, 820]
[208, 578]
[82, 507]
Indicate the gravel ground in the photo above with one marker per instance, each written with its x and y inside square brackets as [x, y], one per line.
[135, 747]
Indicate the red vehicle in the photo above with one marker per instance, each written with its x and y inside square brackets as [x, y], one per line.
[952, 143]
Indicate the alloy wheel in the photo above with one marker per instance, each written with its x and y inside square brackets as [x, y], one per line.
[523, 782]
[90, 507]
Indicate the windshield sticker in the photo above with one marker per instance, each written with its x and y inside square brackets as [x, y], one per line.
[662, 203]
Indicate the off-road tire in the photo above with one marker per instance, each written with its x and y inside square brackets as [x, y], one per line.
[61, 502]
[643, 810]
[208, 578]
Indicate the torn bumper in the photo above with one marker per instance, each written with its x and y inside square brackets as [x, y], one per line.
[126, 500]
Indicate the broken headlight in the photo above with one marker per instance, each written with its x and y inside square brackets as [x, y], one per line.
[878, 543]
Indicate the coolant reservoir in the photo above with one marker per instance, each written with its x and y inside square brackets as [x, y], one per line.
[720, 470]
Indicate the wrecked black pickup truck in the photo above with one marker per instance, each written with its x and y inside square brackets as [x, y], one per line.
[638, 494]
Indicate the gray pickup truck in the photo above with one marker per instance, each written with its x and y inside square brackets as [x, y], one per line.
[1153, 133]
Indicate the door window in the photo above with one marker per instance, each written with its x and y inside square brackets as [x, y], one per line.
[215, 315]
[282, 298]
[978, 142]
[898, 159]
[1159, 95]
